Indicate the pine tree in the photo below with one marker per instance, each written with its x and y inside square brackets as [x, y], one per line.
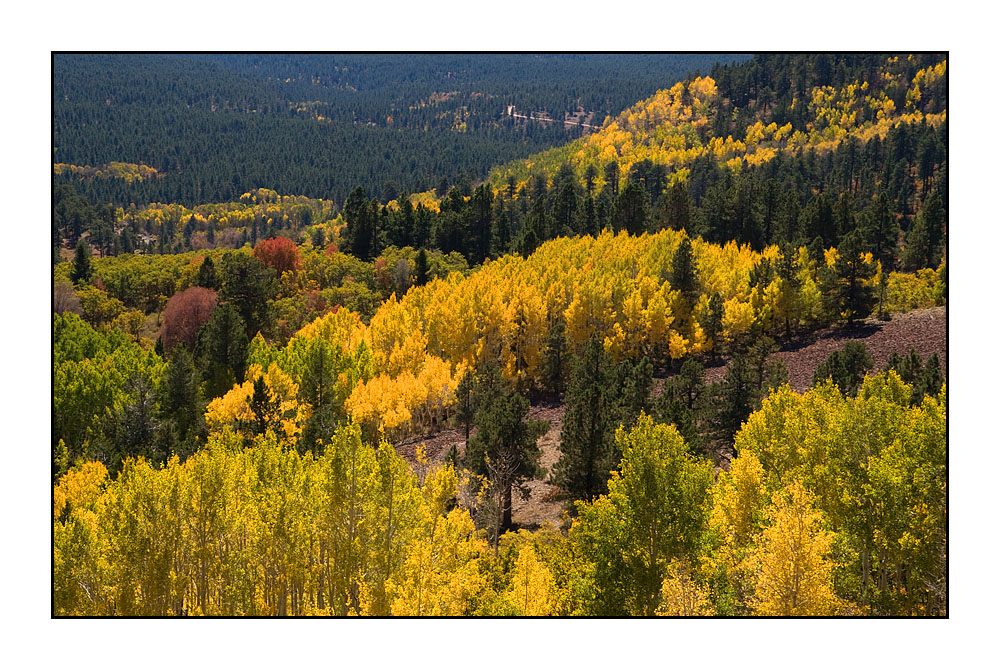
[631, 209]
[681, 403]
[846, 287]
[222, 350]
[421, 267]
[634, 382]
[733, 399]
[248, 285]
[181, 404]
[554, 356]
[465, 406]
[207, 276]
[505, 446]
[82, 269]
[673, 210]
[846, 367]
[712, 324]
[684, 272]
[587, 438]
[923, 245]
[262, 406]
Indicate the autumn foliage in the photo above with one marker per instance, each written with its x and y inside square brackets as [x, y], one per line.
[279, 253]
[186, 312]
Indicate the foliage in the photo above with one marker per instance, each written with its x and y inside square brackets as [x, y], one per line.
[654, 512]
[185, 314]
[846, 367]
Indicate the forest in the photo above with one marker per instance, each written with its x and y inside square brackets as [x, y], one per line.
[215, 126]
[342, 402]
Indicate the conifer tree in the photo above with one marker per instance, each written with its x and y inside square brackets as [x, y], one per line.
[923, 244]
[684, 273]
[587, 438]
[82, 269]
[713, 323]
[846, 287]
[465, 407]
[222, 350]
[182, 406]
[633, 384]
[506, 441]
[421, 267]
[207, 276]
[846, 367]
[554, 357]
[248, 285]
[631, 209]
[681, 403]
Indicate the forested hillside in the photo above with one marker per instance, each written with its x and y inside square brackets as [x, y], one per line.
[244, 387]
[216, 126]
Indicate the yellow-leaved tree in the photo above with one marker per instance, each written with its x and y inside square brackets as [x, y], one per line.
[793, 569]
[530, 590]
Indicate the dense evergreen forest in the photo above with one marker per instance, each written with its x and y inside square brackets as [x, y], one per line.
[245, 380]
[216, 126]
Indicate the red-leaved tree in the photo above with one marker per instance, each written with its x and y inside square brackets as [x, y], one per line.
[279, 253]
[186, 312]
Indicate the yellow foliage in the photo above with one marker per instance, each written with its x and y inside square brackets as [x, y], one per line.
[794, 573]
[681, 595]
[530, 590]
[80, 487]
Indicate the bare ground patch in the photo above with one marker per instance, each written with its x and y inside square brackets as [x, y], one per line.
[925, 330]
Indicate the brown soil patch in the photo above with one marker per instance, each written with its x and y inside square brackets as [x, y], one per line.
[926, 331]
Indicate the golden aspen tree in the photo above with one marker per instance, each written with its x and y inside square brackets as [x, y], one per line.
[530, 589]
[681, 595]
[794, 572]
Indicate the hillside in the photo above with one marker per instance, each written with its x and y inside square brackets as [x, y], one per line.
[335, 403]
[749, 123]
[215, 126]
[924, 330]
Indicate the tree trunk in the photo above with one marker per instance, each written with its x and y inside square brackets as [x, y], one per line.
[507, 512]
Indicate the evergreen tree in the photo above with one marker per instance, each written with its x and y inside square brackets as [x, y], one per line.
[712, 324]
[749, 378]
[586, 217]
[421, 267]
[133, 425]
[684, 272]
[673, 210]
[360, 232]
[923, 245]
[587, 438]
[681, 403]
[82, 269]
[505, 445]
[222, 350]
[881, 231]
[846, 367]
[263, 407]
[634, 382]
[480, 225]
[207, 276]
[788, 271]
[846, 287]
[181, 404]
[554, 356]
[925, 380]
[248, 284]
[465, 407]
[631, 209]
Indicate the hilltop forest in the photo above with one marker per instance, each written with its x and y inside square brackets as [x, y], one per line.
[288, 382]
